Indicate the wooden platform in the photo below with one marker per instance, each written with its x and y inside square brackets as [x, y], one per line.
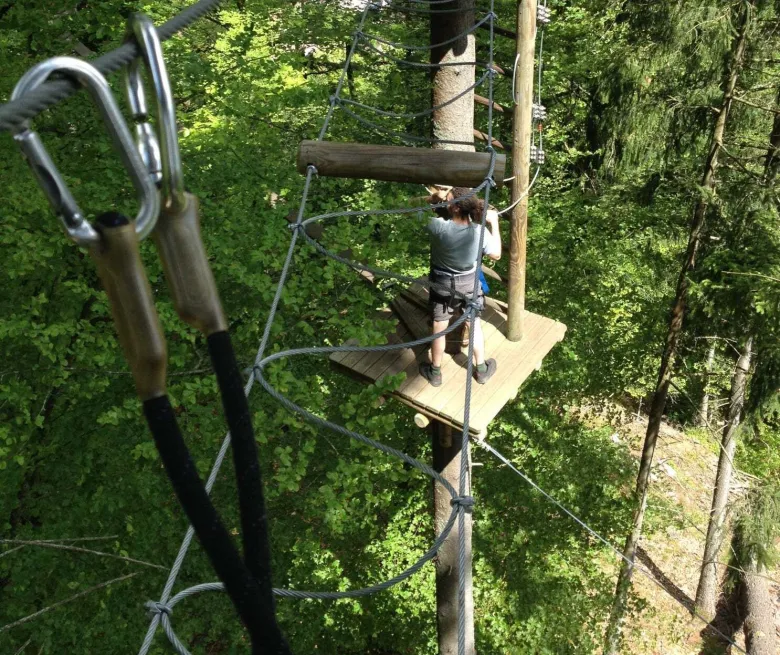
[516, 362]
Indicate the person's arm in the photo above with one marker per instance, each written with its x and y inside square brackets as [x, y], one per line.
[494, 248]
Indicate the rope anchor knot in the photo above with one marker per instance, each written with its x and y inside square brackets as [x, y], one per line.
[158, 609]
[473, 308]
[466, 502]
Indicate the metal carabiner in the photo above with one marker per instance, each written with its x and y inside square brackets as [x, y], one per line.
[162, 155]
[46, 172]
[177, 234]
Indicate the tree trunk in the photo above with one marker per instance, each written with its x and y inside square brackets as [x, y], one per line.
[455, 122]
[707, 591]
[703, 418]
[612, 640]
[772, 161]
[759, 610]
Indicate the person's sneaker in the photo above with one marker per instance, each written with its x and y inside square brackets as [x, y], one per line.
[433, 376]
[484, 376]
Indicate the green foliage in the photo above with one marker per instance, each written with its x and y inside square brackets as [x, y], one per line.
[758, 528]
[628, 90]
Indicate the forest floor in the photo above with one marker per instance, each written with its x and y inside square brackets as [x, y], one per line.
[673, 543]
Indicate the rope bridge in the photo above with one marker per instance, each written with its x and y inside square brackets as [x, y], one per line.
[14, 114]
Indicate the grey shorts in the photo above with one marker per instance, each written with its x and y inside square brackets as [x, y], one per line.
[443, 305]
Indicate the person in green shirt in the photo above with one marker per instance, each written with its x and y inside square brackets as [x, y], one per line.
[455, 235]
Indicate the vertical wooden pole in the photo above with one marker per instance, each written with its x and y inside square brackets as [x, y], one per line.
[454, 122]
[521, 149]
[446, 460]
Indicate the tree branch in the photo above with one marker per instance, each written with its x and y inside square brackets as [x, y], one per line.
[761, 275]
[744, 101]
[81, 594]
[77, 549]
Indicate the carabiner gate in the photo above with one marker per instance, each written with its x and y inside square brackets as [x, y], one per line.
[46, 172]
[161, 155]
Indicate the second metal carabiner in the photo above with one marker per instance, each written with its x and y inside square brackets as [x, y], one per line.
[162, 156]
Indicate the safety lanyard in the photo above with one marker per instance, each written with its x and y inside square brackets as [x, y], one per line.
[172, 217]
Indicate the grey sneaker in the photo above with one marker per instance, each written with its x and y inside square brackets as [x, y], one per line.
[481, 378]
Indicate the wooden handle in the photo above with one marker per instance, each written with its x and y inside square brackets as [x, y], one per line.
[132, 306]
[187, 270]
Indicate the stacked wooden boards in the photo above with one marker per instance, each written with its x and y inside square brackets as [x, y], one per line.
[516, 362]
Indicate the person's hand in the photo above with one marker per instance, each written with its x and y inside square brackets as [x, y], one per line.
[438, 194]
[492, 217]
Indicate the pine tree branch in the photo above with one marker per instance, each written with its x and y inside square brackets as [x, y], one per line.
[77, 549]
[744, 101]
[761, 275]
[81, 594]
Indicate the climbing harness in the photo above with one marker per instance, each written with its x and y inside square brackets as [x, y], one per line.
[113, 243]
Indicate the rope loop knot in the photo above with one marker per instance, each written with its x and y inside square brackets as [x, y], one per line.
[491, 16]
[158, 609]
[295, 227]
[473, 308]
[466, 502]
[313, 169]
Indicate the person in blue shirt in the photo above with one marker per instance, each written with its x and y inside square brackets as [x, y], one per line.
[455, 234]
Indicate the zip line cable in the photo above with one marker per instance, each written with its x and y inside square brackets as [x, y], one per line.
[13, 114]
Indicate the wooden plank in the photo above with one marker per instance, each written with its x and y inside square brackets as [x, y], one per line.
[482, 100]
[490, 406]
[453, 394]
[387, 362]
[399, 163]
[482, 136]
[339, 357]
[412, 316]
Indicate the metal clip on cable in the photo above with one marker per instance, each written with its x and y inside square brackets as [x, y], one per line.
[177, 235]
[113, 243]
[45, 171]
[196, 299]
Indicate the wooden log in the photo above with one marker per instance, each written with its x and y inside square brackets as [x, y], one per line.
[478, 134]
[421, 420]
[482, 100]
[492, 274]
[398, 163]
[521, 161]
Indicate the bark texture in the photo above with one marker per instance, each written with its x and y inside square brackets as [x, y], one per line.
[455, 122]
[707, 591]
[759, 626]
[703, 419]
[446, 460]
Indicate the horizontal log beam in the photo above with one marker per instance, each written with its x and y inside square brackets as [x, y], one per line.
[481, 100]
[399, 164]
